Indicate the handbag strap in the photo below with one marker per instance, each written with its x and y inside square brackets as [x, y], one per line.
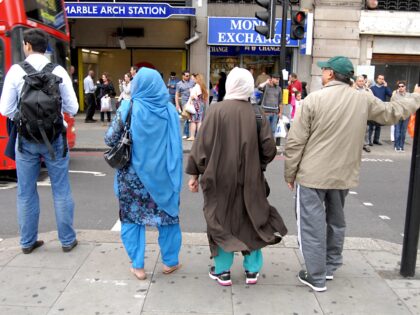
[128, 119]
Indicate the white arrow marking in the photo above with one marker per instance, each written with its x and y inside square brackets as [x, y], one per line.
[368, 204]
[88, 172]
[384, 217]
[117, 226]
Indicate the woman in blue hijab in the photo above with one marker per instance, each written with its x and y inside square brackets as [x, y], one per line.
[149, 188]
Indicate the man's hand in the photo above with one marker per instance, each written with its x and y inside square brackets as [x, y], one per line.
[417, 89]
[291, 185]
[193, 184]
[385, 84]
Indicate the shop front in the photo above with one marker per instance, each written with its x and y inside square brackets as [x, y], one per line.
[234, 43]
[112, 36]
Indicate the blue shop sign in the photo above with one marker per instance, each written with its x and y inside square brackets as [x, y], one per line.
[230, 31]
[232, 51]
[125, 10]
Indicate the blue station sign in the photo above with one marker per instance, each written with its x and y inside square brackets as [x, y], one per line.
[125, 10]
[231, 31]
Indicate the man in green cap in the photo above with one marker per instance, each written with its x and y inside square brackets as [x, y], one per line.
[323, 155]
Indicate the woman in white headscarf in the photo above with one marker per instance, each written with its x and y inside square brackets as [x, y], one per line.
[230, 157]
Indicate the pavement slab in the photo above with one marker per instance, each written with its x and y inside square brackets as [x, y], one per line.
[50, 255]
[25, 286]
[272, 299]
[98, 266]
[7, 254]
[23, 310]
[360, 295]
[187, 294]
[93, 297]
[411, 298]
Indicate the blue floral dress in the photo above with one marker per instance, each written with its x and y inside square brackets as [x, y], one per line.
[136, 204]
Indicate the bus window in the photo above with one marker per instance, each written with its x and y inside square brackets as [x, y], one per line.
[17, 45]
[1, 65]
[57, 50]
[48, 12]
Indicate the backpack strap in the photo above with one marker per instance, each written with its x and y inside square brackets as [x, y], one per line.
[49, 67]
[65, 146]
[45, 138]
[27, 67]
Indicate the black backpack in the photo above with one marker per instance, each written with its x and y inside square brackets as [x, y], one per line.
[39, 118]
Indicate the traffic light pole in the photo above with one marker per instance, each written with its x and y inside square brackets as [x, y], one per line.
[283, 40]
[412, 218]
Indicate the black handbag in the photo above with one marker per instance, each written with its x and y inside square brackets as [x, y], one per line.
[119, 155]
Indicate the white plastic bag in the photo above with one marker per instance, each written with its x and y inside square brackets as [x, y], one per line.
[280, 130]
[189, 107]
[106, 104]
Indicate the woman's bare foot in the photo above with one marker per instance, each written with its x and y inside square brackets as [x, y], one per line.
[139, 273]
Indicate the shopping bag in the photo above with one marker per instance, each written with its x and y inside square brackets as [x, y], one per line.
[189, 107]
[106, 104]
[411, 124]
[280, 130]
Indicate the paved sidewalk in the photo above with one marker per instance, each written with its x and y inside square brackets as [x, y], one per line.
[94, 279]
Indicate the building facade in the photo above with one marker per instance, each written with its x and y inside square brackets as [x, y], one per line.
[213, 36]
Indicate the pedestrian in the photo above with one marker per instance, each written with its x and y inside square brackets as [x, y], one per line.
[148, 189]
[294, 85]
[90, 100]
[304, 89]
[30, 154]
[106, 92]
[198, 97]
[230, 157]
[133, 71]
[401, 126]
[272, 100]
[360, 85]
[182, 96]
[323, 156]
[221, 86]
[125, 89]
[171, 85]
[74, 80]
[381, 91]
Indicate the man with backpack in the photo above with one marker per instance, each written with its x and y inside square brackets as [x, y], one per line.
[35, 94]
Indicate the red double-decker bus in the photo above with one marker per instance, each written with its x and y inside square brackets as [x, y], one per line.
[15, 17]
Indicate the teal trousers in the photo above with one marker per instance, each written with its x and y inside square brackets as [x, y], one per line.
[224, 260]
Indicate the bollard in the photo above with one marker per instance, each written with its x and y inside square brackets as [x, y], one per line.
[412, 218]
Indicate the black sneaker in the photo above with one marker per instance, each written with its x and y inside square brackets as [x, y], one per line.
[70, 247]
[222, 278]
[305, 278]
[30, 249]
[251, 277]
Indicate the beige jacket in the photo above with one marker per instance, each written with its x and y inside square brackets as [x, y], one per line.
[324, 145]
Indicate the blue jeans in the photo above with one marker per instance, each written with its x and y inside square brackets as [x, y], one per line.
[28, 164]
[399, 133]
[187, 128]
[273, 119]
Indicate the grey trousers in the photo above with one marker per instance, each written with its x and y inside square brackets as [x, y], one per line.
[321, 230]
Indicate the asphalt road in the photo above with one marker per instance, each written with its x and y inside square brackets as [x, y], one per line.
[374, 209]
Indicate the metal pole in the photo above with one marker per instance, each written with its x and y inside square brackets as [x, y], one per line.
[283, 39]
[412, 218]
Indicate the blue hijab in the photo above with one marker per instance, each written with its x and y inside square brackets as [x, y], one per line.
[157, 144]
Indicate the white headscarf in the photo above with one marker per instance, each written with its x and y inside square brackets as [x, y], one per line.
[239, 84]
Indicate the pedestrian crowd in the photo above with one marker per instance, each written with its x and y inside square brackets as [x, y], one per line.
[232, 148]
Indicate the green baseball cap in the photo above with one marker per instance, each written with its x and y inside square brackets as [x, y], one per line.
[339, 64]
